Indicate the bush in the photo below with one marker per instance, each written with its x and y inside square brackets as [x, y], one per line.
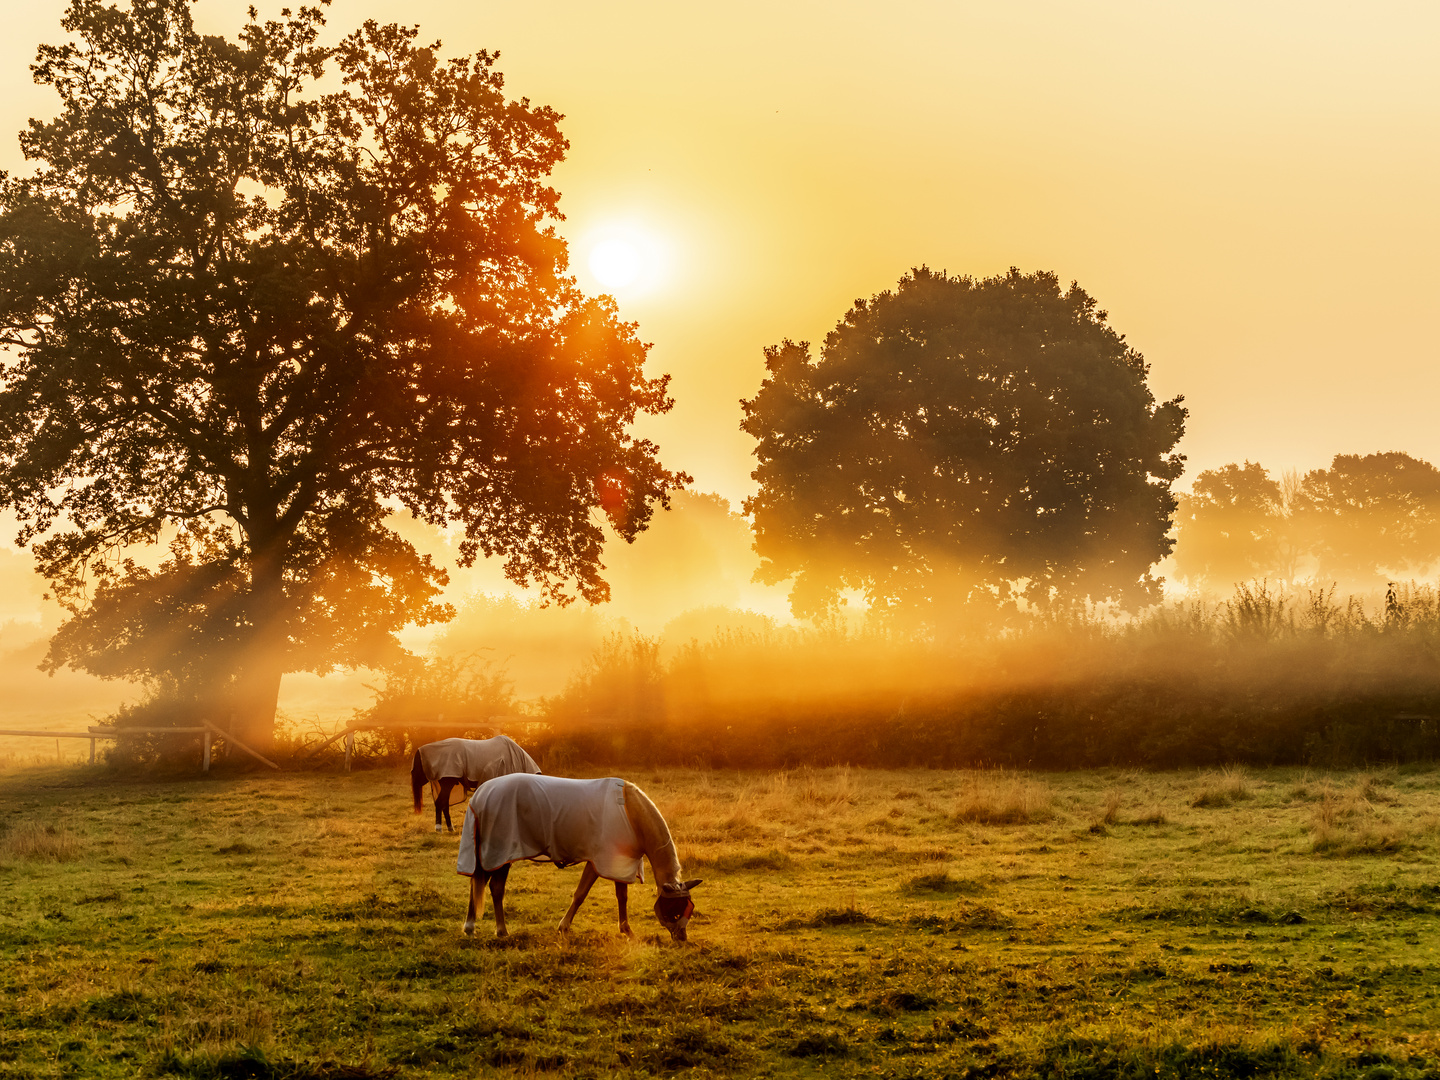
[1260, 681]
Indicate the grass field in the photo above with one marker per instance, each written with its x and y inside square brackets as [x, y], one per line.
[852, 922]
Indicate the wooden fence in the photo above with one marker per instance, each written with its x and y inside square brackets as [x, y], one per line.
[208, 730]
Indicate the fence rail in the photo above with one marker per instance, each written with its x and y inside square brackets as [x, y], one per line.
[207, 729]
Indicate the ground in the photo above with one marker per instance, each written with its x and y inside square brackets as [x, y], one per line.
[851, 922]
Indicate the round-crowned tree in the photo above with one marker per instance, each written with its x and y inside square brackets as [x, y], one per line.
[961, 445]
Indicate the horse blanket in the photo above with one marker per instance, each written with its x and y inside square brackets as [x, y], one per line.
[475, 759]
[567, 821]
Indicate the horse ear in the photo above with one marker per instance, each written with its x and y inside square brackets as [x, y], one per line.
[671, 887]
[687, 886]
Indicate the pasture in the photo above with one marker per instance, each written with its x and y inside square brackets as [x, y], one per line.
[851, 923]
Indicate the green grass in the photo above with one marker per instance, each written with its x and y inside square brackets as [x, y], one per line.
[908, 924]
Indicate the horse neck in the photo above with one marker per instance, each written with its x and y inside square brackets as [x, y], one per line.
[654, 834]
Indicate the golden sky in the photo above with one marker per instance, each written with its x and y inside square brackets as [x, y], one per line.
[1249, 188]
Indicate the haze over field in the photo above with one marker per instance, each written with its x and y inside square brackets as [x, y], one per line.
[1249, 193]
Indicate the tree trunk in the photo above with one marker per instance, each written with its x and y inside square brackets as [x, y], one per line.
[257, 691]
[256, 697]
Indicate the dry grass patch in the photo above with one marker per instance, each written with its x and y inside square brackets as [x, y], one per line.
[942, 883]
[1003, 799]
[827, 788]
[40, 843]
[1221, 789]
[1370, 838]
[1155, 815]
[1345, 821]
[1376, 789]
[1110, 812]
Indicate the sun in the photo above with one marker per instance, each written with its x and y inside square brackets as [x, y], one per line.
[625, 258]
[616, 262]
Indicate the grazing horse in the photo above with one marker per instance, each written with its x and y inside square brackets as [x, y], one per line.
[467, 762]
[607, 824]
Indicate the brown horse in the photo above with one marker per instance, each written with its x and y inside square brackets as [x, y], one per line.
[467, 762]
[610, 825]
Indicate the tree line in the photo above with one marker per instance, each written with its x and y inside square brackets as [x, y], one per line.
[1365, 521]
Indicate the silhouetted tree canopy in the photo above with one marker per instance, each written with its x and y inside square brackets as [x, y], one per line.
[1371, 518]
[249, 317]
[963, 441]
[1232, 527]
[1362, 522]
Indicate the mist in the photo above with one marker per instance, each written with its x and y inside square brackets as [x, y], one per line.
[689, 644]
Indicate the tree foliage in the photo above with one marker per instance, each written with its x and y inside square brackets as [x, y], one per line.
[961, 443]
[1365, 520]
[1371, 517]
[1232, 526]
[249, 316]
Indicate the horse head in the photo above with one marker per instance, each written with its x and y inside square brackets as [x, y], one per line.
[674, 907]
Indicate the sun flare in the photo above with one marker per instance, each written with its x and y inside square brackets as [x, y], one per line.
[625, 259]
[615, 262]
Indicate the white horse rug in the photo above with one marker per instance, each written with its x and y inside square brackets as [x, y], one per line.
[537, 817]
[475, 759]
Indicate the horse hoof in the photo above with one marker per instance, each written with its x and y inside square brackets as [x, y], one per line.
[437, 828]
[468, 929]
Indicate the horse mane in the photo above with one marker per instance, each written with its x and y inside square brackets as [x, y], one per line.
[654, 835]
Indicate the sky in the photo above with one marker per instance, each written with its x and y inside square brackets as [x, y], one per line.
[1248, 188]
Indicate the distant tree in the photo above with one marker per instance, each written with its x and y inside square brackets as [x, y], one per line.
[1372, 518]
[1231, 527]
[962, 443]
[251, 313]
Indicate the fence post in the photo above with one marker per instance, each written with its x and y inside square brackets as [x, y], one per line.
[92, 751]
[205, 757]
[349, 748]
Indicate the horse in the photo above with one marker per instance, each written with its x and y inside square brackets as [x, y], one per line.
[467, 762]
[608, 824]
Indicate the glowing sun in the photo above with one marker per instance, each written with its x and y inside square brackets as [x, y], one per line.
[626, 259]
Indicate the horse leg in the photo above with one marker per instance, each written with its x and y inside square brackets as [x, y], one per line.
[449, 789]
[588, 877]
[622, 898]
[497, 894]
[442, 797]
[477, 900]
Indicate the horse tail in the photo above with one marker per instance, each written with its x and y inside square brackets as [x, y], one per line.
[417, 779]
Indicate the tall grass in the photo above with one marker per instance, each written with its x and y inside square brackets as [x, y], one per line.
[1003, 799]
[38, 842]
[1267, 677]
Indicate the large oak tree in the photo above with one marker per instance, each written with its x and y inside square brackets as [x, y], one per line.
[959, 445]
[250, 312]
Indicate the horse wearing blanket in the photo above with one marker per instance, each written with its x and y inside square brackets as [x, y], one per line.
[610, 825]
[467, 762]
